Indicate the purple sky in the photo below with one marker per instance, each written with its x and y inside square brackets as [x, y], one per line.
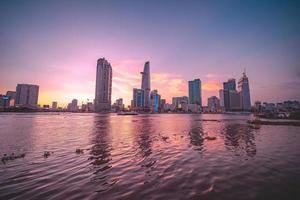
[56, 44]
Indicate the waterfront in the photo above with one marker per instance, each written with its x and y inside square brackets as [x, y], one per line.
[163, 156]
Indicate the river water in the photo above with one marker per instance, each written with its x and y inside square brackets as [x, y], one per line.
[162, 156]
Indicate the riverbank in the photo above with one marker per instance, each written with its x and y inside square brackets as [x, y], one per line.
[284, 122]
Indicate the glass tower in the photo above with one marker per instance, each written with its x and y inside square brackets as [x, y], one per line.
[146, 84]
[243, 87]
[195, 92]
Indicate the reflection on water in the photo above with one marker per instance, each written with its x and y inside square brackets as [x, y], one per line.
[241, 138]
[147, 157]
[100, 155]
[144, 138]
[196, 137]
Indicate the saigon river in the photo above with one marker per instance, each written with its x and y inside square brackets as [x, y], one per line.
[163, 156]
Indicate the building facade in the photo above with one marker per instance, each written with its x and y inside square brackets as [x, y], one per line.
[103, 86]
[221, 95]
[4, 101]
[228, 86]
[27, 95]
[162, 104]
[155, 101]
[118, 105]
[195, 96]
[243, 88]
[179, 101]
[146, 85]
[138, 101]
[54, 105]
[235, 100]
[73, 106]
[213, 104]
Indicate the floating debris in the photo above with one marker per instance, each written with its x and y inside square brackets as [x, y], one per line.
[79, 151]
[164, 138]
[47, 154]
[210, 138]
[12, 157]
[208, 120]
[254, 126]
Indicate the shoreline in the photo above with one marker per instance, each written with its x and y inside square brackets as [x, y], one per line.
[276, 122]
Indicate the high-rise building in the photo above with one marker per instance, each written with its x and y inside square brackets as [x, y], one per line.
[213, 103]
[90, 107]
[195, 92]
[221, 96]
[226, 99]
[27, 95]
[54, 105]
[162, 103]
[138, 99]
[155, 101]
[235, 100]
[228, 86]
[118, 105]
[12, 97]
[146, 84]
[4, 101]
[243, 88]
[103, 86]
[257, 106]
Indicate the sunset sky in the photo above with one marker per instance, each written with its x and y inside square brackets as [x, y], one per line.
[56, 44]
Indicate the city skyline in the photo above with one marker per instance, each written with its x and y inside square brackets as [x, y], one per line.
[57, 48]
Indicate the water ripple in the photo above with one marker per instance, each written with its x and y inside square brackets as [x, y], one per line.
[147, 157]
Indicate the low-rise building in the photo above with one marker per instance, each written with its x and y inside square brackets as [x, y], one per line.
[213, 104]
[179, 101]
[73, 106]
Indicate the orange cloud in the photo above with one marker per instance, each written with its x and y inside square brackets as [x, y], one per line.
[211, 86]
[169, 85]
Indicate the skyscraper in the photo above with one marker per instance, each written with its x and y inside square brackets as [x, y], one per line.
[235, 100]
[228, 86]
[195, 92]
[243, 88]
[27, 94]
[146, 84]
[103, 86]
[155, 101]
[138, 99]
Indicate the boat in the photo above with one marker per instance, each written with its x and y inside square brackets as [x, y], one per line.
[128, 113]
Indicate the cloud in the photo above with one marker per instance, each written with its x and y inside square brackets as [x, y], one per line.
[212, 75]
[217, 76]
[211, 86]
